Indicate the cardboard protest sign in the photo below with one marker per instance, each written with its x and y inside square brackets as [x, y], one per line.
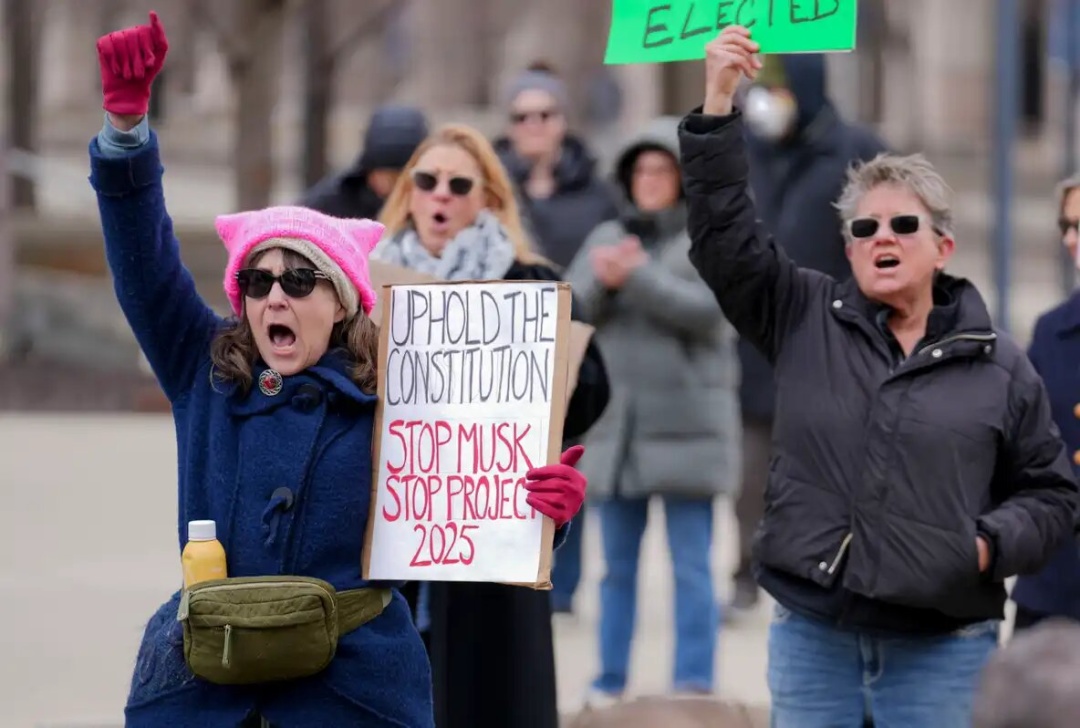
[658, 31]
[387, 274]
[472, 379]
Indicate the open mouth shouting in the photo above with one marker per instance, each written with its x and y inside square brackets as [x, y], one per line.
[440, 222]
[886, 261]
[282, 339]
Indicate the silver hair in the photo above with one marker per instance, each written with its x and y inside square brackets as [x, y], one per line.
[913, 172]
[1034, 681]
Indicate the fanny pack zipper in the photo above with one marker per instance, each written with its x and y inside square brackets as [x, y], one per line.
[185, 596]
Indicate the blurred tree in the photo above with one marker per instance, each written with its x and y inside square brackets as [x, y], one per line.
[250, 35]
[22, 33]
[325, 47]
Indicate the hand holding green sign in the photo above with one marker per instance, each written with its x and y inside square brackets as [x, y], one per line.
[658, 31]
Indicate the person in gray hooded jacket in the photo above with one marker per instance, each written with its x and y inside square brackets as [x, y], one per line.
[671, 428]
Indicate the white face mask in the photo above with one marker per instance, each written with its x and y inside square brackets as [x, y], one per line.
[768, 116]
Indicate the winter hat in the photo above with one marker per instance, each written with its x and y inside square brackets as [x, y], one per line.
[337, 247]
[538, 78]
[392, 136]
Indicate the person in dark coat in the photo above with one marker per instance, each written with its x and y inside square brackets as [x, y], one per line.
[453, 215]
[1055, 351]
[799, 150]
[915, 464]
[555, 175]
[274, 411]
[563, 199]
[391, 137]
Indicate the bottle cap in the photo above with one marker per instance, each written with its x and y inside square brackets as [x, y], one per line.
[201, 530]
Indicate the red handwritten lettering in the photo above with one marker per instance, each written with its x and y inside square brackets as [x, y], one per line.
[448, 539]
[390, 483]
[394, 427]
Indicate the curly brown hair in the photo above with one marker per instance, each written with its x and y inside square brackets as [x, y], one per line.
[233, 350]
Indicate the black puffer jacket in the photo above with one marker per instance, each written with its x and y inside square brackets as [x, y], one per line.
[559, 224]
[884, 469]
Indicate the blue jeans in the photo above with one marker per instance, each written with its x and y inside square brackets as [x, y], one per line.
[689, 531]
[566, 573]
[823, 677]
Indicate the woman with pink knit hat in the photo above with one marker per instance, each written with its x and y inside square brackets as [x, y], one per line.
[274, 410]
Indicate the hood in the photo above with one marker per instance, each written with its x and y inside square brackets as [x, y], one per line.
[393, 134]
[662, 133]
[575, 169]
[805, 77]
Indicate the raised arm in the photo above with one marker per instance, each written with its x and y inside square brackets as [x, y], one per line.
[759, 288]
[157, 294]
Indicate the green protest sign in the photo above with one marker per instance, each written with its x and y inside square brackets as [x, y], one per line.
[655, 31]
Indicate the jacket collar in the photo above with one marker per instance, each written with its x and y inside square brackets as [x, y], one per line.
[328, 379]
[959, 317]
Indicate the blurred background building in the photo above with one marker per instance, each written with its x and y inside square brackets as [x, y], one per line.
[260, 98]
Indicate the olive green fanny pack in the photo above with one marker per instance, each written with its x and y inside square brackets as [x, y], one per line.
[257, 629]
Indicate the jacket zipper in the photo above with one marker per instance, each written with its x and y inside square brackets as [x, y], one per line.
[959, 337]
[839, 554]
[185, 597]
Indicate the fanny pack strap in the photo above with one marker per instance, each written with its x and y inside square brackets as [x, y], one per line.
[359, 606]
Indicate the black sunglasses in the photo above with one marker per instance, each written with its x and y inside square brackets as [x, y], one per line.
[866, 227]
[1065, 225]
[520, 117]
[295, 282]
[426, 181]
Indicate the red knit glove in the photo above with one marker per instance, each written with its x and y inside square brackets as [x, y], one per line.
[557, 491]
[129, 61]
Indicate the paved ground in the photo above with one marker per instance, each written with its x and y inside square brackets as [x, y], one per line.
[89, 542]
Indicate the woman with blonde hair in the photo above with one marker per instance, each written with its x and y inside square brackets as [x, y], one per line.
[453, 215]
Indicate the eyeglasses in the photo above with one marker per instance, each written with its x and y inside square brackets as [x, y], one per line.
[520, 117]
[295, 282]
[866, 227]
[426, 181]
[1065, 225]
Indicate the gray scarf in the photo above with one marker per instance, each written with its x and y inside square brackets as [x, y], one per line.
[480, 252]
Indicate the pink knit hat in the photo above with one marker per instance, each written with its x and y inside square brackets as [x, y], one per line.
[336, 246]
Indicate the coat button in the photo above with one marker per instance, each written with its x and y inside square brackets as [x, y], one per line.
[838, 303]
[936, 353]
[285, 495]
[823, 566]
[307, 397]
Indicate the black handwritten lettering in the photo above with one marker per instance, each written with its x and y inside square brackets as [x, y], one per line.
[546, 314]
[456, 297]
[499, 375]
[745, 15]
[737, 12]
[486, 298]
[652, 29]
[687, 32]
[723, 19]
[809, 11]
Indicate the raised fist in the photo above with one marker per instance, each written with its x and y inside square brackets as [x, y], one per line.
[727, 57]
[129, 61]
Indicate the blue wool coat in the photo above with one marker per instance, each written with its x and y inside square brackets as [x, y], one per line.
[1055, 352]
[287, 478]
